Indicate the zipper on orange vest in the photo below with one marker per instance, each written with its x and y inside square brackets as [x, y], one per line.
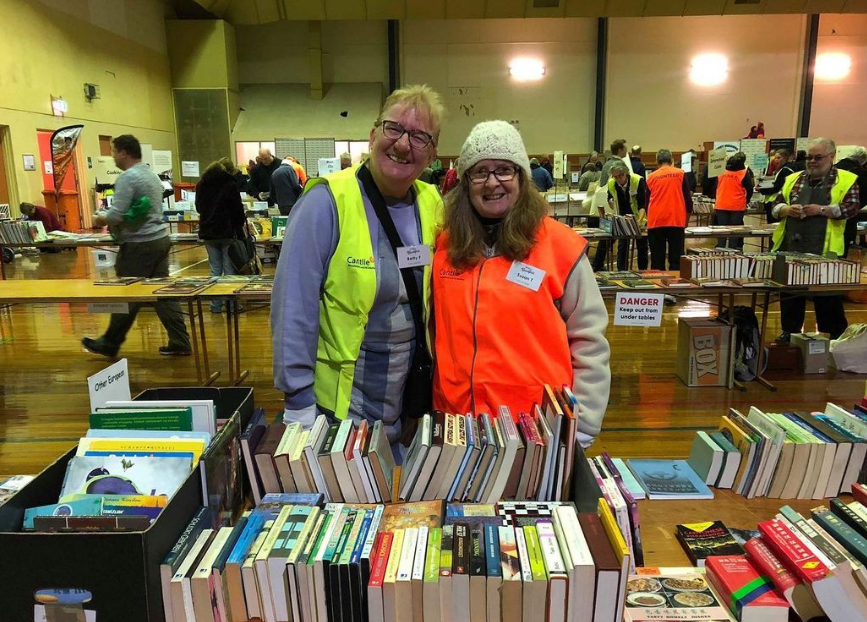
[475, 343]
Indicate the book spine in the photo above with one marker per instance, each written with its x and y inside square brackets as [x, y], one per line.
[446, 560]
[851, 540]
[434, 552]
[418, 565]
[477, 551]
[849, 516]
[380, 560]
[768, 565]
[534, 553]
[200, 520]
[461, 558]
[793, 553]
[492, 551]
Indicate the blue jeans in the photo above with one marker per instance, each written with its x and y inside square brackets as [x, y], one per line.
[220, 264]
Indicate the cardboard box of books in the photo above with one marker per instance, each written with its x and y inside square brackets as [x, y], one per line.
[815, 351]
[705, 349]
[119, 570]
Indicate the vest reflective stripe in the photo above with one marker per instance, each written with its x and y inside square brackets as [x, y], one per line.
[730, 192]
[498, 343]
[349, 289]
[667, 207]
[835, 242]
[634, 180]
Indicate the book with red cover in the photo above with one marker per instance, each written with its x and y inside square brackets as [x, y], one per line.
[786, 583]
[748, 594]
[859, 493]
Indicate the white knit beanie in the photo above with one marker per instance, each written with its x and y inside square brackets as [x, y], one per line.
[493, 140]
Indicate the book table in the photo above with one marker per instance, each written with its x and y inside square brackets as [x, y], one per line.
[80, 291]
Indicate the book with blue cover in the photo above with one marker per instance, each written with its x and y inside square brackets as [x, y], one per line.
[669, 479]
[121, 475]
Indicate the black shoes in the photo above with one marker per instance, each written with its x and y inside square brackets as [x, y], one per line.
[784, 338]
[98, 346]
[175, 351]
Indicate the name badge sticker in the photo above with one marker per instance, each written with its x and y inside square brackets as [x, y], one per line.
[525, 275]
[413, 256]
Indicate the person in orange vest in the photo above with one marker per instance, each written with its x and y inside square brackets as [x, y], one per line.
[299, 170]
[733, 190]
[669, 206]
[516, 305]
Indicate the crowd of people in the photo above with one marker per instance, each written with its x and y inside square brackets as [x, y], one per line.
[389, 292]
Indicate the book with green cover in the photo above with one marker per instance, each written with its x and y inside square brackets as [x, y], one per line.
[534, 552]
[175, 419]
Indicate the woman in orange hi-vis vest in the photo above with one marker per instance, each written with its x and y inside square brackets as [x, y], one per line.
[515, 302]
[732, 189]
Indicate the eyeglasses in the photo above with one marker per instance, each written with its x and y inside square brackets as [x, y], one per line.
[817, 158]
[417, 139]
[501, 173]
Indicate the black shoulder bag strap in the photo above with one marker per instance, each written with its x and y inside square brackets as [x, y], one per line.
[418, 392]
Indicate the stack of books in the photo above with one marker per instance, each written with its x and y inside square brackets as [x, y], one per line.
[791, 455]
[484, 458]
[791, 268]
[714, 264]
[290, 559]
[22, 232]
[133, 459]
[9, 486]
[620, 226]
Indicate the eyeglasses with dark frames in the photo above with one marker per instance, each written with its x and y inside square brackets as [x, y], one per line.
[817, 158]
[418, 139]
[501, 173]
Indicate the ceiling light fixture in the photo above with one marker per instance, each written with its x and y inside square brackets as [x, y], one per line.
[833, 66]
[709, 69]
[526, 69]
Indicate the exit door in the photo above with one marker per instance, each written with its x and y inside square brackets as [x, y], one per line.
[66, 203]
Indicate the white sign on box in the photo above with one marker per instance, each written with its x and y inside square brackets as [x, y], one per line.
[110, 384]
[638, 309]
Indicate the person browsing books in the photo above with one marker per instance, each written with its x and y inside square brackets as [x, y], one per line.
[221, 217]
[813, 207]
[627, 196]
[669, 207]
[346, 328]
[516, 305]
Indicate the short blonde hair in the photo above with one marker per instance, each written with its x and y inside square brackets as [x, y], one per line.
[418, 96]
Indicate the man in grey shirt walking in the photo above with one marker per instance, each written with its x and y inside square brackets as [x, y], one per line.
[136, 221]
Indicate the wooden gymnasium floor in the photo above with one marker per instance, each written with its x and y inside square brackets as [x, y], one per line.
[44, 398]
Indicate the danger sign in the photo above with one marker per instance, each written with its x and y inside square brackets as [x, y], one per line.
[638, 309]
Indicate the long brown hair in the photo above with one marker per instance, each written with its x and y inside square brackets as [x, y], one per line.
[519, 228]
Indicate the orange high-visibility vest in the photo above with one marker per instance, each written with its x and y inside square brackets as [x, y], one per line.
[667, 207]
[730, 192]
[498, 343]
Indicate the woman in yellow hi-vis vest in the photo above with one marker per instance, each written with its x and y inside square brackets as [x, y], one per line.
[350, 304]
[813, 208]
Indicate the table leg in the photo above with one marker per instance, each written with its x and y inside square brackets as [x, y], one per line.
[230, 310]
[760, 358]
[210, 376]
[241, 374]
[194, 340]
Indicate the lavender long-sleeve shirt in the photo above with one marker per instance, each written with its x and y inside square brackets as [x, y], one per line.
[386, 351]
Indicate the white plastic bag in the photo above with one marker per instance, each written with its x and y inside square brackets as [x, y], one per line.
[850, 350]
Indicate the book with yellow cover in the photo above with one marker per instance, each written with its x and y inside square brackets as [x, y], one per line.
[389, 583]
[621, 551]
[119, 446]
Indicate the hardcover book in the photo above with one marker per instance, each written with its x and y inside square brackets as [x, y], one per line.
[122, 475]
[701, 540]
[750, 595]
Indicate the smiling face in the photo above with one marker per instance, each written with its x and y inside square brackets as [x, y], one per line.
[394, 163]
[494, 197]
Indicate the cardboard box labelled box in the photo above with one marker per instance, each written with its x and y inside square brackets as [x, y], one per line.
[815, 351]
[704, 352]
[119, 569]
